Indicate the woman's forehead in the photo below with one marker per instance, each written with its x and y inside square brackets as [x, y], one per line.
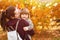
[17, 10]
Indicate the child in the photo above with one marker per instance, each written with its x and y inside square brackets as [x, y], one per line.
[19, 16]
[29, 29]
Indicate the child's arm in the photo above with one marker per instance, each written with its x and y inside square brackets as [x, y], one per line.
[29, 27]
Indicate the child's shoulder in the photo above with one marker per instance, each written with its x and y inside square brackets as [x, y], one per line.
[29, 19]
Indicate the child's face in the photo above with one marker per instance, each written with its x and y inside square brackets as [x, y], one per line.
[24, 16]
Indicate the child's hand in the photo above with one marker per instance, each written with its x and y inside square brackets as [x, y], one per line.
[25, 28]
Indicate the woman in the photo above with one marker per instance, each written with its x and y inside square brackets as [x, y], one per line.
[10, 15]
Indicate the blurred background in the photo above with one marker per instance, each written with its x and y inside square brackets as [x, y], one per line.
[45, 15]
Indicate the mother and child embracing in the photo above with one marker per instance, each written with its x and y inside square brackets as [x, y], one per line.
[11, 16]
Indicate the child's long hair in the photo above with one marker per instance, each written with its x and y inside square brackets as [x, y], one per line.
[7, 15]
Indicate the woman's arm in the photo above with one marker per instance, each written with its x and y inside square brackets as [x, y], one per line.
[10, 24]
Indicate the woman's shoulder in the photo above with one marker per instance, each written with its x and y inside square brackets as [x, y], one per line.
[12, 22]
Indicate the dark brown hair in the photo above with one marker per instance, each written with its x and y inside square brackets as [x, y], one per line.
[3, 20]
[7, 15]
[10, 12]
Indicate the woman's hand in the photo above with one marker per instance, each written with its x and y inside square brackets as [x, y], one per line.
[25, 28]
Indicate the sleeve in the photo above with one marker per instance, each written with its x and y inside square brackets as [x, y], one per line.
[30, 25]
[25, 23]
[9, 24]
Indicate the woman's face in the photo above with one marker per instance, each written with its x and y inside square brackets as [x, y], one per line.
[17, 14]
[24, 16]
